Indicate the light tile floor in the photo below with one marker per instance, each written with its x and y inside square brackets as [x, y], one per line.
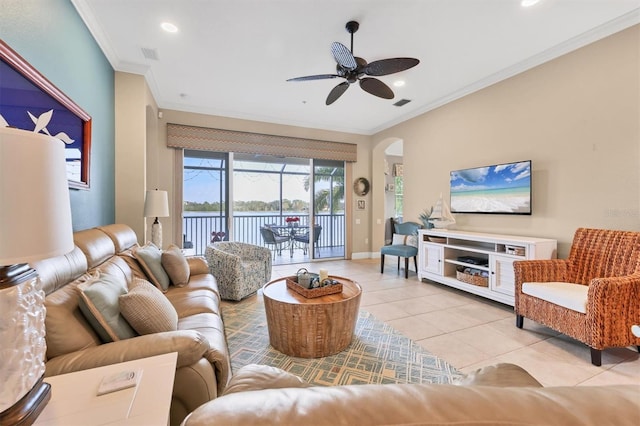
[470, 332]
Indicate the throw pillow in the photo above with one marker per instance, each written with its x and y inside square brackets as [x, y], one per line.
[176, 266]
[408, 240]
[99, 304]
[399, 239]
[147, 309]
[150, 258]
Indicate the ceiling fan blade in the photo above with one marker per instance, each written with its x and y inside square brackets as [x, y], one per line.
[389, 66]
[343, 56]
[336, 92]
[314, 77]
[376, 88]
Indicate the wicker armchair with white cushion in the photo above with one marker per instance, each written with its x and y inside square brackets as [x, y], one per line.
[239, 268]
[592, 296]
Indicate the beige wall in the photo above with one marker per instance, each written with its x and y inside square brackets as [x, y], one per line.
[576, 117]
[135, 118]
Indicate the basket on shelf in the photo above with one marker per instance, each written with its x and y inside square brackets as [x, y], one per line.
[441, 240]
[472, 276]
[311, 293]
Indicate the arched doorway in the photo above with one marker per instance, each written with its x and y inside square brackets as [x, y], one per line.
[381, 195]
[393, 188]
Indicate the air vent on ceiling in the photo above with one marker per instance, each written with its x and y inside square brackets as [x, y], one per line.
[402, 102]
[150, 53]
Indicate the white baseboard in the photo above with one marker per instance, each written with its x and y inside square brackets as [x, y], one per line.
[364, 255]
[367, 255]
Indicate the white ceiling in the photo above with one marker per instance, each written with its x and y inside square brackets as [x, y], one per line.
[231, 58]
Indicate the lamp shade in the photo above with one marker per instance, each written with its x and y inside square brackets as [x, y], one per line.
[35, 212]
[156, 204]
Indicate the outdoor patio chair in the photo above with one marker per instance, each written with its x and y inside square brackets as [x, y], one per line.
[303, 238]
[272, 238]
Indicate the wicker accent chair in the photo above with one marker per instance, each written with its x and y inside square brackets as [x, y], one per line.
[239, 268]
[592, 296]
[404, 244]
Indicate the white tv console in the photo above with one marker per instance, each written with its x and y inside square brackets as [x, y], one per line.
[440, 250]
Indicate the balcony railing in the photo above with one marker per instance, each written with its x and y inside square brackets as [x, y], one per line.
[197, 229]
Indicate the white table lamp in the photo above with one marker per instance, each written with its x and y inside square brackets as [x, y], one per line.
[35, 223]
[156, 204]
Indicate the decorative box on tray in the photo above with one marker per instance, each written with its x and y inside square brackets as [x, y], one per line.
[309, 284]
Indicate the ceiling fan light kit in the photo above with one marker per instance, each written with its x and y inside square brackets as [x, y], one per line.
[353, 68]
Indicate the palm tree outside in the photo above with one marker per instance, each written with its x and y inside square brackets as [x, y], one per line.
[329, 195]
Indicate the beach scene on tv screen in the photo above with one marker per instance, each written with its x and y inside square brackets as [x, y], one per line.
[503, 188]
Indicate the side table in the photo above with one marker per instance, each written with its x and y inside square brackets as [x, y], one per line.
[74, 399]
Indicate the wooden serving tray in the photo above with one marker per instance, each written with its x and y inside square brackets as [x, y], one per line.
[313, 292]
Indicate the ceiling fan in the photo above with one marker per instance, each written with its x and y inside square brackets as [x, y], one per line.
[353, 68]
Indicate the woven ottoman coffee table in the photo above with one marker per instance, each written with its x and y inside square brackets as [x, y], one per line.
[311, 328]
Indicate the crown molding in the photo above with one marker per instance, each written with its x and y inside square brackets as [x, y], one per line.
[598, 33]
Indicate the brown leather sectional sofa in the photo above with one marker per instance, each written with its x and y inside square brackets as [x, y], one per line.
[203, 366]
[502, 394]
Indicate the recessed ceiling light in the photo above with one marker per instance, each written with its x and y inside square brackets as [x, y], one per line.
[398, 83]
[169, 27]
[528, 3]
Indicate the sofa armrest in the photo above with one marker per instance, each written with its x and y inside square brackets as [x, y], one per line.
[539, 271]
[197, 265]
[191, 346]
[612, 308]
[500, 375]
[257, 377]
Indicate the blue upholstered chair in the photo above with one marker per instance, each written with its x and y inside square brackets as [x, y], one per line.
[404, 244]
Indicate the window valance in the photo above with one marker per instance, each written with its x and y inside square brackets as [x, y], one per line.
[220, 140]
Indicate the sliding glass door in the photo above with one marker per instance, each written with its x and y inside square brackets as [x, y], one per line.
[205, 209]
[269, 192]
[236, 196]
[328, 209]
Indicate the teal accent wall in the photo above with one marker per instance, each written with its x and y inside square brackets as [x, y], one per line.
[51, 36]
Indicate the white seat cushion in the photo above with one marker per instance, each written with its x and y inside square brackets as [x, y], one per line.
[567, 295]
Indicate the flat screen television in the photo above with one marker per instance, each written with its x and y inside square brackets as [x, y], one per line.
[499, 189]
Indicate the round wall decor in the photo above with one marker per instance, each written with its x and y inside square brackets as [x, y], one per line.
[361, 186]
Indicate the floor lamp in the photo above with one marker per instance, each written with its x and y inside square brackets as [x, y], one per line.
[35, 223]
[156, 204]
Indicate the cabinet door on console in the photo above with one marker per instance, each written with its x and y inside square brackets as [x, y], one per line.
[502, 276]
[432, 258]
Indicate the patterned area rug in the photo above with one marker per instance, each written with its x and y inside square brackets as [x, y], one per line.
[377, 354]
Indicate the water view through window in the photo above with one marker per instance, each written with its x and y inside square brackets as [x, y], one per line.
[233, 196]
